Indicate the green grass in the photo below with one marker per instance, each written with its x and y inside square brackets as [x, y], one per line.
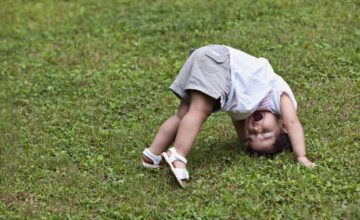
[84, 88]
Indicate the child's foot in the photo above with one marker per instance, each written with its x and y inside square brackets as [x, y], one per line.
[177, 164]
[150, 160]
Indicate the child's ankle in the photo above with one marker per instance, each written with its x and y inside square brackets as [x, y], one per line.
[155, 152]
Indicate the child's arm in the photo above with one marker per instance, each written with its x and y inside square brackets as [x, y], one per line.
[294, 129]
[240, 130]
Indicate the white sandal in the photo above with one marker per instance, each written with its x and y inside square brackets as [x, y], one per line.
[179, 173]
[156, 160]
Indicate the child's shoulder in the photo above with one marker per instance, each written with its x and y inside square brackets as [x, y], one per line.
[281, 88]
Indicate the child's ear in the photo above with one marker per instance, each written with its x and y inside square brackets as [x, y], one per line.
[283, 127]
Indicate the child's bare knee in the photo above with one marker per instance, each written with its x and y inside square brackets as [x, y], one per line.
[202, 114]
[180, 115]
[183, 109]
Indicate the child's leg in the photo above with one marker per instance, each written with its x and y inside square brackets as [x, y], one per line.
[201, 107]
[166, 134]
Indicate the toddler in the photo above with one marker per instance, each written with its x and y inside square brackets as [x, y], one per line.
[260, 103]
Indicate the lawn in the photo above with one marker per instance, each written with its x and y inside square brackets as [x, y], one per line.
[84, 88]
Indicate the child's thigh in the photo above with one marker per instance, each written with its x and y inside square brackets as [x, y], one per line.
[201, 102]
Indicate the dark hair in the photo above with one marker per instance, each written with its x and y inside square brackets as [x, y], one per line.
[282, 143]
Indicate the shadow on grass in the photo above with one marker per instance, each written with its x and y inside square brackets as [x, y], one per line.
[219, 154]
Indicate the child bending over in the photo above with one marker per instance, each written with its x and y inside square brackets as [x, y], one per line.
[260, 103]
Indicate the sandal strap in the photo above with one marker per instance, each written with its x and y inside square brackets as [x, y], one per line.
[155, 158]
[181, 173]
[176, 156]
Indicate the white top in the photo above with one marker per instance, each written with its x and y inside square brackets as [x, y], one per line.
[252, 79]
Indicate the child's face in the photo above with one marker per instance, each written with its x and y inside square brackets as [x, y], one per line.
[263, 128]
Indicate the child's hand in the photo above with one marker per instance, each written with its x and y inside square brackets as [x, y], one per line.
[305, 161]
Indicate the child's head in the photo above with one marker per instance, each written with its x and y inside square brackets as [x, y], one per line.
[266, 133]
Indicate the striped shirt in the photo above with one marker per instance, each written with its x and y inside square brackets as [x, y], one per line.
[266, 103]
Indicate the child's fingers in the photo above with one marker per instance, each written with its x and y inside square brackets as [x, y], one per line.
[306, 162]
[311, 165]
